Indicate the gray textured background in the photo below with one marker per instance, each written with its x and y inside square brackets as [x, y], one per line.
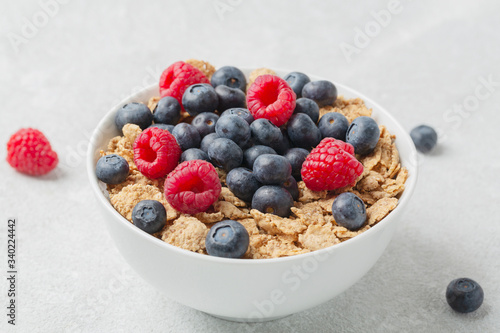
[423, 66]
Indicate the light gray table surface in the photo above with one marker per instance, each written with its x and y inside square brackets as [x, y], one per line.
[63, 64]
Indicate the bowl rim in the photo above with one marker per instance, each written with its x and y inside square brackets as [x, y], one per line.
[402, 201]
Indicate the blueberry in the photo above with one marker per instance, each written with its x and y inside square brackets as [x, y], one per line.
[270, 199]
[291, 186]
[226, 154]
[363, 135]
[164, 127]
[134, 113]
[229, 76]
[464, 295]
[302, 131]
[230, 98]
[194, 154]
[266, 133]
[205, 123]
[234, 128]
[424, 137]
[149, 216]
[309, 107]
[241, 112]
[297, 81]
[272, 169]
[251, 154]
[333, 125]
[200, 97]
[112, 169]
[187, 136]
[284, 144]
[242, 182]
[296, 157]
[349, 211]
[322, 92]
[167, 111]
[227, 239]
[207, 141]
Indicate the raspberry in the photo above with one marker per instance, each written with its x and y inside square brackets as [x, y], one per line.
[29, 152]
[156, 152]
[192, 187]
[177, 77]
[331, 165]
[272, 98]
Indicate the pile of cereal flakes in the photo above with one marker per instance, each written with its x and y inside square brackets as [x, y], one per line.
[311, 226]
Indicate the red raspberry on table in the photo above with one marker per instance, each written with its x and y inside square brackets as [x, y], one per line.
[29, 152]
[272, 98]
[177, 77]
[331, 165]
[192, 187]
[156, 152]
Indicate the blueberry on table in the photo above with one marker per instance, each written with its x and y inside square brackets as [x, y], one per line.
[272, 169]
[229, 76]
[296, 157]
[207, 141]
[228, 239]
[251, 154]
[291, 186]
[272, 199]
[265, 132]
[333, 125]
[134, 113]
[230, 98]
[149, 216]
[226, 154]
[424, 137]
[309, 107]
[194, 154]
[243, 184]
[349, 211]
[205, 123]
[164, 127]
[297, 81]
[200, 97]
[363, 135]
[167, 111]
[322, 92]
[240, 112]
[303, 132]
[112, 169]
[464, 295]
[234, 128]
[187, 136]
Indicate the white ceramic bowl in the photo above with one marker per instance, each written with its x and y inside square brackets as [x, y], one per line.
[257, 289]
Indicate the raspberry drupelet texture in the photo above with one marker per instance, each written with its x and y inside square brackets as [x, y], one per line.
[29, 152]
[156, 152]
[178, 77]
[192, 187]
[272, 98]
[331, 165]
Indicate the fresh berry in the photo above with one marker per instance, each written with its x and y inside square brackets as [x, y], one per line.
[242, 182]
[284, 144]
[271, 199]
[270, 169]
[194, 154]
[303, 132]
[331, 165]
[205, 123]
[230, 98]
[266, 133]
[200, 97]
[464, 295]
[225, 154]
[296, 157]
[251, 154]
[297, 81]
[112, 169]
[177, 78]
[187, 136]
[156, 152]
[241, 112]
[166, 127]
[363, 135]
[167, 111]
[272, 98]
[192, 187]
[333, 125]
[424, 137]
[149, 216]
[349, 211]
[234, 128]
[29, 152]
[207, 141]
[229, 76]
[291, 186]
[309, 107]
[134, 113]
[322, 92]
[227, 239]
